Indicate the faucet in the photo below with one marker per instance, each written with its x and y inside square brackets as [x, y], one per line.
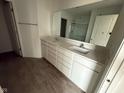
[82, 45]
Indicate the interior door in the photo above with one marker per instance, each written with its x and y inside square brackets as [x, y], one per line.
[118, 82]
[102, 29]
[111, 71]
[26, 11]
[84, 77]
[30, 40]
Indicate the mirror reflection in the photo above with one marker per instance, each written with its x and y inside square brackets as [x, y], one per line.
[90, 24]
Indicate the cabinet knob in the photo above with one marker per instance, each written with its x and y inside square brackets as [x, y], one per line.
[110, 33]
[108, 80]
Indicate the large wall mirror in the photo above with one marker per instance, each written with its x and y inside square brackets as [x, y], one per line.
[93, 23]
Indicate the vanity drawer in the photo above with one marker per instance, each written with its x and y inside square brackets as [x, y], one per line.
[65, 52]
[59, 54]
[89, 64]
[65, 63]
[52, 59]
[51, 47]
[43, 42]
[52, 55]
[66, 71]
[51, 51]
[59, 66]
[68, 60]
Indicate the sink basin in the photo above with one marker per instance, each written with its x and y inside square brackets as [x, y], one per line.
[78, 49]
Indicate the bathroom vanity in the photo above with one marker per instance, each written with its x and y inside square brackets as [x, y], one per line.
[82, 65]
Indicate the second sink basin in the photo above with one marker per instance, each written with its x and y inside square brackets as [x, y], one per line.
[78, 49]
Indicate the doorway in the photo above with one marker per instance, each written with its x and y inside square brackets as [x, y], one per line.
[12, 27]
[63, 27]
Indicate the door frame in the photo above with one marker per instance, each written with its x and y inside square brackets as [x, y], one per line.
[19, 52]
[17, 27]
[61, 32]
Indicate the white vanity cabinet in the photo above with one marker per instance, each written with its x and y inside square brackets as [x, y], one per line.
[64, 61]
[51, 54]
[44, 49]
[61, 58]
[85, 73]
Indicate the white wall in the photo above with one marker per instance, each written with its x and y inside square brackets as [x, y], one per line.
[45, 9]
[5, 43]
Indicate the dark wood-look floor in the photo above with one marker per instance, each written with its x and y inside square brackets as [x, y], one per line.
[27, 75]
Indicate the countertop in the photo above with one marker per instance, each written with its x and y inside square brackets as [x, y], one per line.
[98, 54]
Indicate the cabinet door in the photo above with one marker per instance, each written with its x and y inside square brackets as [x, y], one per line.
[117, 84]
[52, 58]
[83, 77]
[44, 50]
[63, 69]
[30, 41]
[64, 63]
[66, 71]
[51, 51]
[26, 11]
